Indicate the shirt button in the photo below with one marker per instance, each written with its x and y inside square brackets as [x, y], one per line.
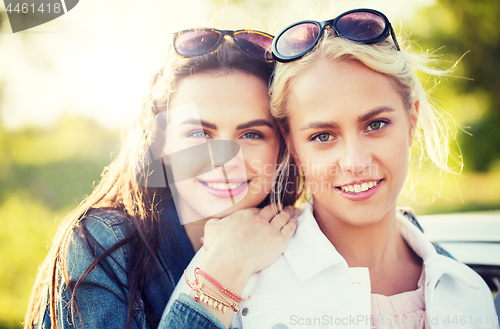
[244, 312]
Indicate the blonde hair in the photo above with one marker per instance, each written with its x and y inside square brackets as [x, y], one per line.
[432, 131]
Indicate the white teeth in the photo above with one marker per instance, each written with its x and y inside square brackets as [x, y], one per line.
[224, 186]
[358, 188]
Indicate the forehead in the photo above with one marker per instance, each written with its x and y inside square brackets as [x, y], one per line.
[229, 97]
[340, 88]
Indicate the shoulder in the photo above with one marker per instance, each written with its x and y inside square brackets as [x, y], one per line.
[409, 214]
[99, 232]
[108, 226]
[459, 271]
[458, 288]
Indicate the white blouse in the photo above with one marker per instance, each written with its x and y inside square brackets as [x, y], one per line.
[311, 286]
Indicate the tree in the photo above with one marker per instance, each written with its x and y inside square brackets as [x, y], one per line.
[461, 26]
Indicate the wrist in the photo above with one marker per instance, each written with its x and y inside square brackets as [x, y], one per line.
[232, 275]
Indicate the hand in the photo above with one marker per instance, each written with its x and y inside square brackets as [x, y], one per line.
[247, 241]
[243, 243]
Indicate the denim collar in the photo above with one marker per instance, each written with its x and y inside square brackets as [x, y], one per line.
[175, 244]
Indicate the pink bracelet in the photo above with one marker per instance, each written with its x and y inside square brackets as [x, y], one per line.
[228, 292]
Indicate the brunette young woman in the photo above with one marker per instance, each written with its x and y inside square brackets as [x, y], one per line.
[117, 257]
[351, 108]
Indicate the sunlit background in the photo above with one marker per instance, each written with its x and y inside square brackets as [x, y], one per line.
[68, 88]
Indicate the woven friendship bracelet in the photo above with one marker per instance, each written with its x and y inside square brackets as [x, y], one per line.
[228, 292]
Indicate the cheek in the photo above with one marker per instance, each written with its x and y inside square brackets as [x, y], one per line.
[314, 162]
[398, 159]
[261, 159]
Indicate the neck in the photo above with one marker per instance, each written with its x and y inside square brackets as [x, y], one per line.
[393, 266]
[194, 230]
[374, 246]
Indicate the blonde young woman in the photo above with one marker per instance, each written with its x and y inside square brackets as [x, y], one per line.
[351, 108]
[117, 257]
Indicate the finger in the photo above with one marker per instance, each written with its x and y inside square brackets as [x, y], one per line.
[201, 240]
[290, 210]
[280, 220]
[255, 210]
[212, 221]
[289, 229]
[267, 213]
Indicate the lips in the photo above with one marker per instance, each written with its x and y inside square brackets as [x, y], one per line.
[223, 186]
[361, 190]
[359, 187]
[222, 189]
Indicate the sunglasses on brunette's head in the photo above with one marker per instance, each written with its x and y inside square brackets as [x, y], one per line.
[195, 42]
[360, 25]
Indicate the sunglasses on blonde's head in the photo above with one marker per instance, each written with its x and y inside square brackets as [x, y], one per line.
[364, 26]
[195, 42]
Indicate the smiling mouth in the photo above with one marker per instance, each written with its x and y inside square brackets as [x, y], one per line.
[359, 188]
[224, 186]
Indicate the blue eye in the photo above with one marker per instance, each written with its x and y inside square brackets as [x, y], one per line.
[376, 125]
[323, 137]
[252, 135]
[198, 134]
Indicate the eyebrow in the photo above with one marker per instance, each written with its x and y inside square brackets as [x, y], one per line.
[254, 123]
[246, 125]
[362, 118]
[320, 124]
[373, 113]
[196, 122]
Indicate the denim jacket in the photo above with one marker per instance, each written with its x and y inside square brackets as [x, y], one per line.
[103, 297]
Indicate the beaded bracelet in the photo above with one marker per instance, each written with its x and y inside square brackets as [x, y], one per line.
[228, 292]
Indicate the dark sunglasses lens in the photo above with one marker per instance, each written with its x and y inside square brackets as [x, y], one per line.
[360, 26]
[255, 44]
[193, 43]
[297, 39]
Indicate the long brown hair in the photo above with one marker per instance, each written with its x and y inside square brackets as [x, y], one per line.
[123, 187]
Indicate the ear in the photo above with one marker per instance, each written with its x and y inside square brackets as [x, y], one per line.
[413, 121]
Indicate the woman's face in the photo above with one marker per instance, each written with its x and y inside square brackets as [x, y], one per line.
[350, 134]
[233, 107]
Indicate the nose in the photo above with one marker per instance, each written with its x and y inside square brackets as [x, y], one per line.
[355, 156]
[224, 153]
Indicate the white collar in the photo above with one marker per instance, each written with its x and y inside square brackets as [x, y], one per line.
[436, 265]
[310, 246]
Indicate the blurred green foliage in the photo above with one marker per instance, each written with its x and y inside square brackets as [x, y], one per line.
[463, 26]
[44, 173]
